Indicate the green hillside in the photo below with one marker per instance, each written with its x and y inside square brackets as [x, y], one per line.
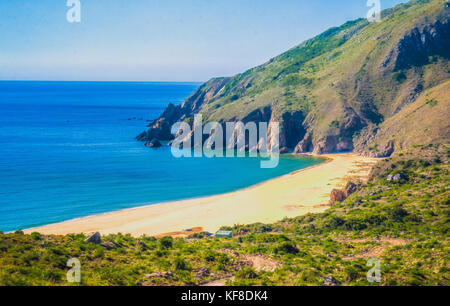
[335, 87]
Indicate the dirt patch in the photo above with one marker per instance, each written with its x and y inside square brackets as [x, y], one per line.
[256, 261]
[386, 243]
[181, 234]
[261, 263]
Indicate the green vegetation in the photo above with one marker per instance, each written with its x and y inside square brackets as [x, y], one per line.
[399, 76]
[431, 102]
[334, 124]
[403, 223]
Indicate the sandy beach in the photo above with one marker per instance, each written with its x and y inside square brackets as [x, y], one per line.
[295, 194]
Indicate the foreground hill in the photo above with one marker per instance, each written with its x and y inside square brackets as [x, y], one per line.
[339, 90]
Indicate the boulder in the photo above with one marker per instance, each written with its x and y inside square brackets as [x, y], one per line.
[201, 272]
[329, 281]
[108, 245]
[376, 192]
[154, 143]
[94, 238]
[337, 196]
[350, 188]
[159, 275]
[386, 150]
[397, 177]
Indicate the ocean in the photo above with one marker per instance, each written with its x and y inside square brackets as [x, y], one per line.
[67, 150]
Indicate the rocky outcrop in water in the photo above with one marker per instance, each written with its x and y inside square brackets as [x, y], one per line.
[154, 143]
[160, 129]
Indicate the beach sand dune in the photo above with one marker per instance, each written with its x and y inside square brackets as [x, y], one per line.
[292, 195]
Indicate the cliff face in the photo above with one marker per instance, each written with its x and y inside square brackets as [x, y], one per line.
[334, 92]
[161, 127]
[423, 41]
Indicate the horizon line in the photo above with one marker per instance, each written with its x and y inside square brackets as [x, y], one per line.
[108, 81]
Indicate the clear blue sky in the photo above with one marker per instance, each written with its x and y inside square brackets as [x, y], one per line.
[158, 40]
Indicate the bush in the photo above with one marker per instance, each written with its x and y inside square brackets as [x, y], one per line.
[234, 98]
[247, 273]
[399, 76]
[397, 213]
[181, 264]
[431, 102]
[335, 222]
[36, 236]
[166, 243]
[334, 124]
[210, 256]
[286, 247]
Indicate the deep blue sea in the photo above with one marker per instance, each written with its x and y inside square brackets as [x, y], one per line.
[67, 150]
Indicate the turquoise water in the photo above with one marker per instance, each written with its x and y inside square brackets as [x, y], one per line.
[67, 150]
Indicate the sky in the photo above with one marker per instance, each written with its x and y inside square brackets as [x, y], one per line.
[158, 40]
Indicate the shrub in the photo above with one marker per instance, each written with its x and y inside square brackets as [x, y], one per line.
[166, 243]
[234, 98]
[431, 102]
[397, 213]
[399, 76]
[334, 124]
[210, 256]
[36, 236]
[335, 222]
[247, 273]
[181, 264]
[286, 247]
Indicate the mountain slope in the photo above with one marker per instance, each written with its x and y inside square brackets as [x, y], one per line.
[422, 122]
[332, 92]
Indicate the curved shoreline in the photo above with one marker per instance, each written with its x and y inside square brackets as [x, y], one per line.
[266, 202]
